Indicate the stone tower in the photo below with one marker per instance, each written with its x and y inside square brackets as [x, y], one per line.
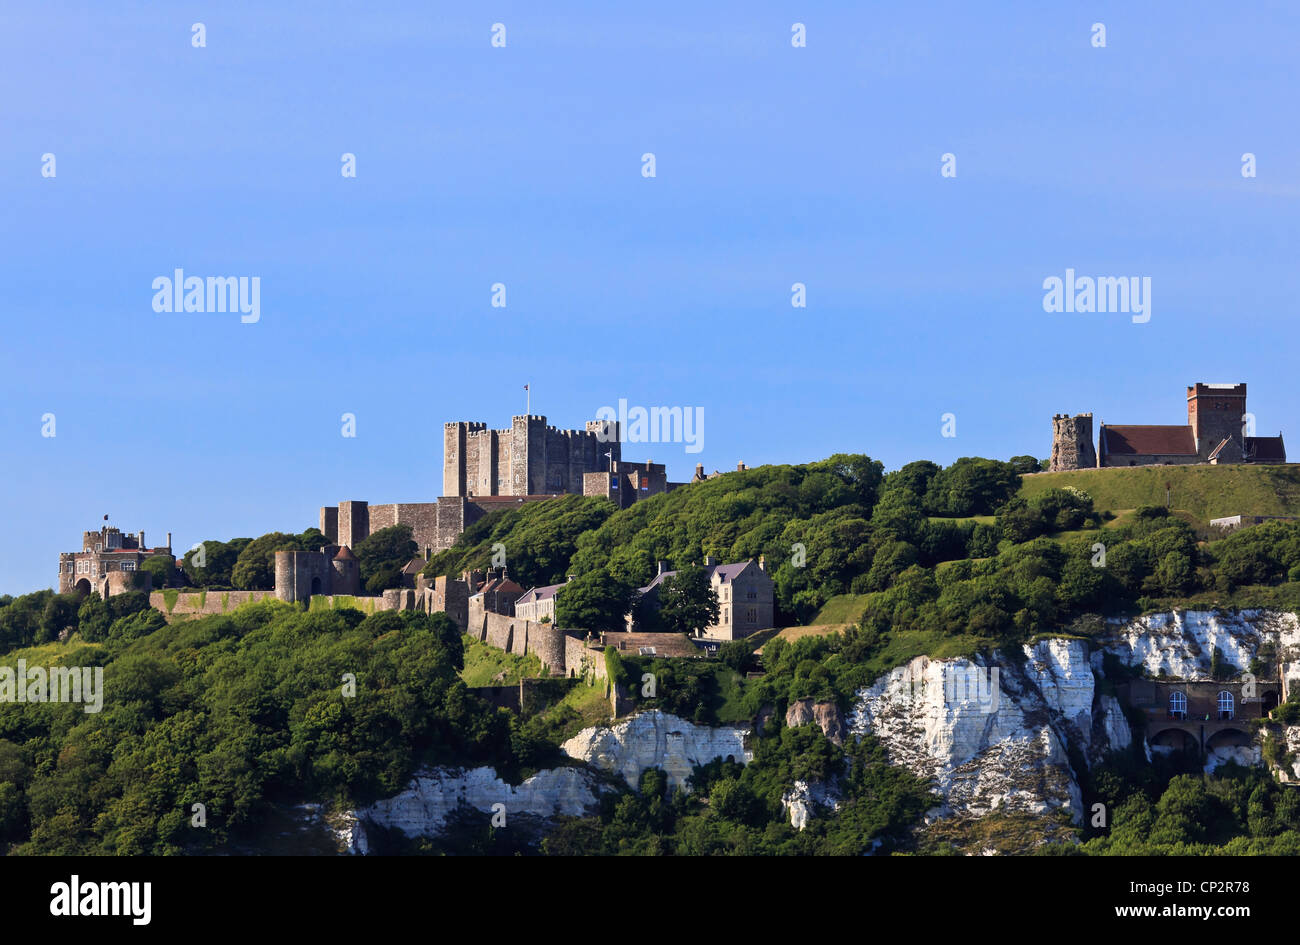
[1072, 443]
[1217, 412]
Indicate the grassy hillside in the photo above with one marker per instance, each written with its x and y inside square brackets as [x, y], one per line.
[1205, 491]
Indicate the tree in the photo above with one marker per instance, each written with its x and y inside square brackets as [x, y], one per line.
[255, 569]
[161, 567]
[218, 559]
[594, 601]
[383, 554]
[971, 486]
[1025, 464]
[686, 601]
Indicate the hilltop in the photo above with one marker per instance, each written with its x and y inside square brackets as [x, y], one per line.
[1204, 491]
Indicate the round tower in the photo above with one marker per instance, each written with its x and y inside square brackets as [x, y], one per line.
[346, 578]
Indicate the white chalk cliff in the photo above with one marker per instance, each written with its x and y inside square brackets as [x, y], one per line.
[656, 739]
[647, 740]
[1006, 743]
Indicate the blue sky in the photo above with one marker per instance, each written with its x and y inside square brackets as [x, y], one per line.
[521, 165]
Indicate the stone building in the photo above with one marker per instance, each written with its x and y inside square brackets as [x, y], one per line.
[301, 575]
[528, 458]
[626, 483]
[1215, 432]
[538, 603]
[1202, 716]
[744, 591]
[488, 470]
[108, 562]
[499, 593]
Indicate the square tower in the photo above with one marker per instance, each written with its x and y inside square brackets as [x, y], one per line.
[1216, 412]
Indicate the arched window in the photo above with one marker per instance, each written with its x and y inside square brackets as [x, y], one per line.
[1177, 705]
[1225, 704]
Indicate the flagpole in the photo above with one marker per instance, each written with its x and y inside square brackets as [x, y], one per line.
[528, 410]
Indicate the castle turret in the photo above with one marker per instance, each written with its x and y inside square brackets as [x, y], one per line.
[347, 573]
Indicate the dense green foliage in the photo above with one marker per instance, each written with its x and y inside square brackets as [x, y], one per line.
[242, 713]
[595, 601]
[248, 713]
[686, 602]
[246, 564]
[539, 538]
[382, 555]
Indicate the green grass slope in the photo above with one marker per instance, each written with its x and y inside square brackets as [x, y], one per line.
[1205, 491]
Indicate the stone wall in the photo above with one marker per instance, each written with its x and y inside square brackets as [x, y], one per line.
[1119, 460]
[190, 602]
[561, 653]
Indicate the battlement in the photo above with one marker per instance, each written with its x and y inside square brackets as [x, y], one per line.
[1216, 390]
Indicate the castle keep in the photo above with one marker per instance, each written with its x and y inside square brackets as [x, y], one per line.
[1216, 431]
[529, 458]
[486, 470]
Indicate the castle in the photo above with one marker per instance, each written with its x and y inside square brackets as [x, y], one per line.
[486, 470]
[109, 562]
[300, 575]
[1217, 431]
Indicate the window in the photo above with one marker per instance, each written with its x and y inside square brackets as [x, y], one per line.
[83, 567]
[752, 595]
[128, 565]
[1225, 704]
[1177, 705]
[751, 615]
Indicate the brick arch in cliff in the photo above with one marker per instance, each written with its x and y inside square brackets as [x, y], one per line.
[1173, 736]
[1229, 738]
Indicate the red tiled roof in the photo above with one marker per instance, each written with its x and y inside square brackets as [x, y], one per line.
[1148, 440]
[345, 555]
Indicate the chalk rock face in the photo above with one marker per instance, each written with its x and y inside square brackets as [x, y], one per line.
[825, 714]
[1111, 730]
[349, 832]
[1245, 755]
[422, 809]
[1061, 672]
[656, 739]
[995, 734]
[1292, 736]
[804, 798]
[1181, 644]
